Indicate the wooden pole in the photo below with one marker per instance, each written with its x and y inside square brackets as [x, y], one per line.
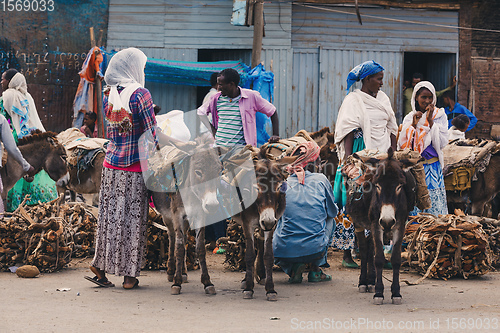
[101, 133]
[97, 91]
[258, 32]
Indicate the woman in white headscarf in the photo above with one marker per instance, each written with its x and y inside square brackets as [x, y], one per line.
[425, 129]
[18, 107]
[123, 203]
[365, 120]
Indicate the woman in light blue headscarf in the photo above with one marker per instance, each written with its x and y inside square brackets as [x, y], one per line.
[365, 120]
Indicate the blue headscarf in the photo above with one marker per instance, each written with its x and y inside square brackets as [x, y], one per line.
[361, 71]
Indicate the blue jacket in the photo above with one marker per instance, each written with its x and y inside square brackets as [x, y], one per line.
[301, 231]
[460, 109]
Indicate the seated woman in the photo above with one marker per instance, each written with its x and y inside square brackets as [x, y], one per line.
[425, 129]
[89, 127]
[305, 230]
[459, 126]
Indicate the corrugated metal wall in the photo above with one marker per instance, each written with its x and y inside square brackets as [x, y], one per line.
[313, 27]
[327, 45]
[191, 24]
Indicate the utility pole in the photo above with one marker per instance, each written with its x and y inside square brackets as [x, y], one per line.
[258, 31]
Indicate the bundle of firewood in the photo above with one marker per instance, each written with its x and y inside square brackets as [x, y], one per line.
[492, 229]
[234, 244]
[46, 235]
[447, 246]
[157, 245]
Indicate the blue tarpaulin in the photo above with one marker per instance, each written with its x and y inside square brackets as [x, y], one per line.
[263, 82]
[189, 73]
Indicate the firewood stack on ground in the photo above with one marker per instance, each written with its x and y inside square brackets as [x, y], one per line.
[46, 235]
[447, 246]
[234, 244]
[157, 245]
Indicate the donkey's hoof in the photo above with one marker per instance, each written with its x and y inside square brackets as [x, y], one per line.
[397, 300]
[210, 290]
[378, 300]
[262, 281]
[247, 294]
[184, 278]
[371, 288]
[362, 288]
[243, 284]
[170, 278]
[273, 297]
[176, 290]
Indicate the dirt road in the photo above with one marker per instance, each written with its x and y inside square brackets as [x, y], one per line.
[457, 305]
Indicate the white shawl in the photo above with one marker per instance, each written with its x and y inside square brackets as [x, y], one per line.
[126, 69]
[437, 135]
[377, 126]
[20, 106]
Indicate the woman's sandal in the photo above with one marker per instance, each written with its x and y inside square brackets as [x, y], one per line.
[349, 264]
[318, 277]
[136, 285]
[104, 282]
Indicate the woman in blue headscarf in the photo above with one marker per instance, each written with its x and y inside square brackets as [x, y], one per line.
[365, 120]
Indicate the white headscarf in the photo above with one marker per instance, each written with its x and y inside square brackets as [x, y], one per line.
[422, 136]
[20, 106]
[125, 69]
[418, 86]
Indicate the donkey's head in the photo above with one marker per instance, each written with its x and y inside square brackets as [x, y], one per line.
[43, 151]
[204, 171]
[271, 188]
[393, 196]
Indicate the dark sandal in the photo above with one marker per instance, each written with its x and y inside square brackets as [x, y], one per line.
[136, 285]
[104, 282]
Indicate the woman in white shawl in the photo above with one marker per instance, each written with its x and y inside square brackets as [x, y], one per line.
[18, 107]
[425, 129]
[365, 120]
[120, 246]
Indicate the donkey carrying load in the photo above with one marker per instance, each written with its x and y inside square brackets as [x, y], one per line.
[380, 195]
[189, 177]
[267, 204]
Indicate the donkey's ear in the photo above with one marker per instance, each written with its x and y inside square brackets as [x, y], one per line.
[390, 153]
[407, 164]
[52, 141]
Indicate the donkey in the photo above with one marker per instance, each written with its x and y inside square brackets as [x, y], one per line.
[85, 181]
[190, 204]
[483, 189]
[381, 204]
[263, 215]
[42, 151]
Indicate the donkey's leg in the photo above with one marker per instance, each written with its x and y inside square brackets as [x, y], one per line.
[163, 204]
[397, 240]
[371, 264]
[180, 253]
[377, 236]
[363, 253]
[260, 266]
[201, 252]
[268, 263]
[249, 260]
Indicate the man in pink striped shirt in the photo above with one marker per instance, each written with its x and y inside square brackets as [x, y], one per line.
[229, 126]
